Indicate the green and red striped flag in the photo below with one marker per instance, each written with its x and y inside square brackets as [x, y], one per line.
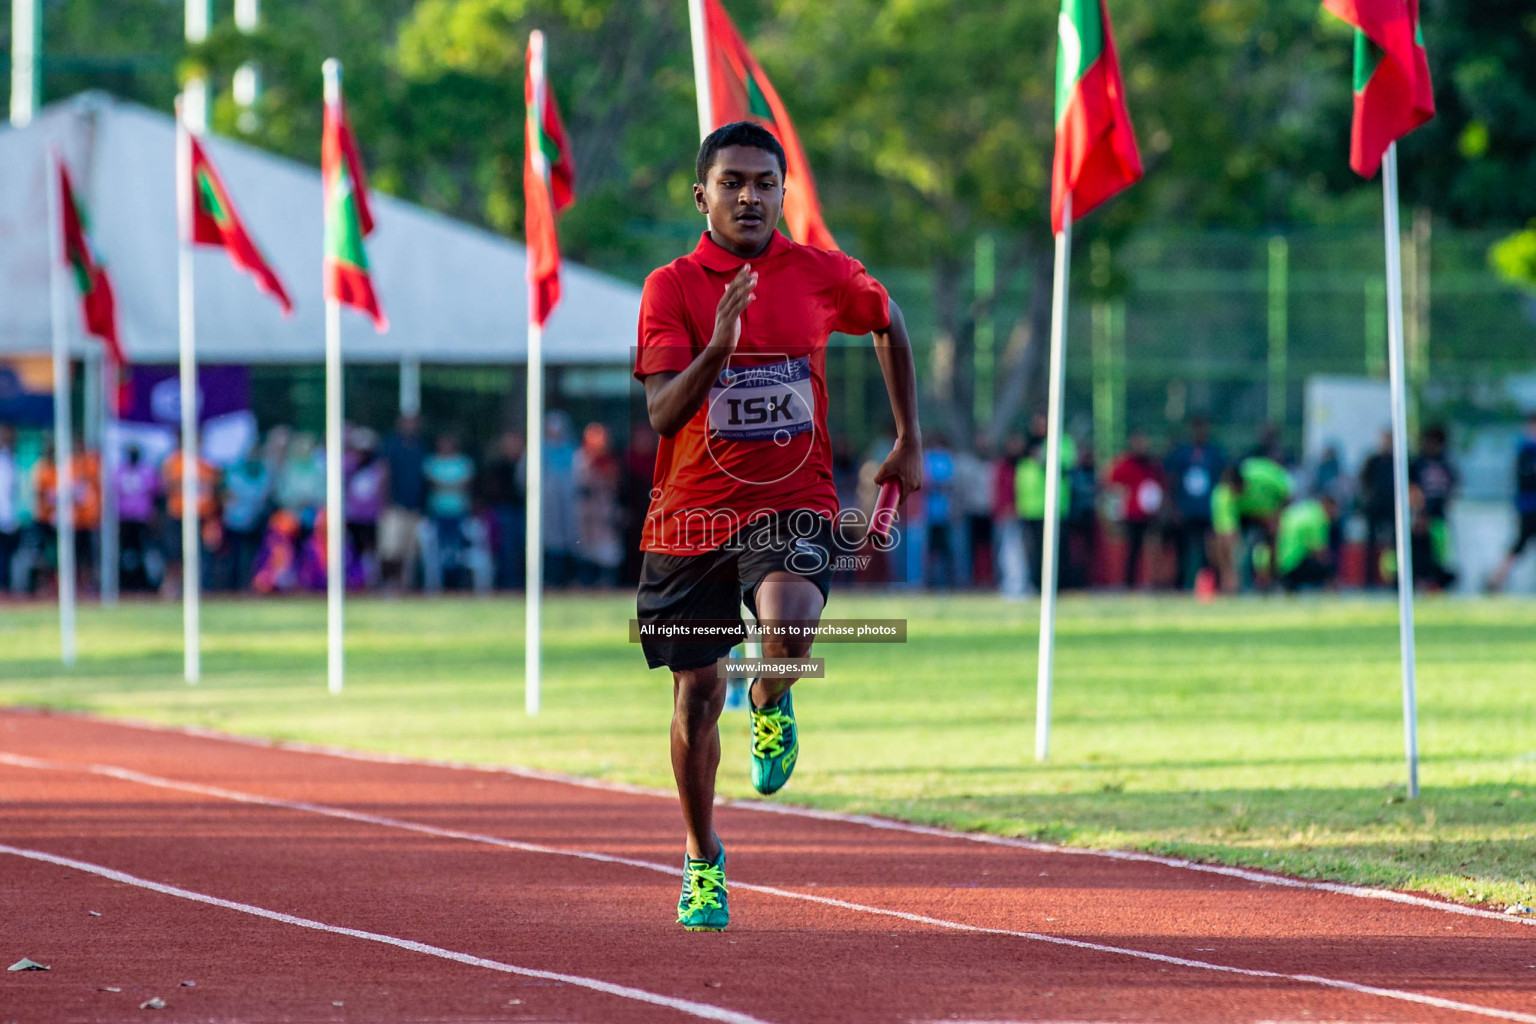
[212, 219]
[740, 91]
[1393, 90]
[1096, 154]
[549, 184]
[98, 304]
[348, 219]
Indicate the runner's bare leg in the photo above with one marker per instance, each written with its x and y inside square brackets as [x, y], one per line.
[784, 597]
[698, 695]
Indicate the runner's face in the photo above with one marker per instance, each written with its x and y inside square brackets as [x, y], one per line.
[742, 197]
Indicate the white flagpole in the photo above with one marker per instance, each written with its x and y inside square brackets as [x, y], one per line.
[534, 556]
[191, 568]
[26, 60]
[335, 513]
[111, 547]
[63, 443]
[700, 35]
[1052, 486]
[335, 521]
[534, 552]
[1397, 377]
[197, 19]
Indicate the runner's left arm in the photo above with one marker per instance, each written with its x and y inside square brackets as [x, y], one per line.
[893, 348]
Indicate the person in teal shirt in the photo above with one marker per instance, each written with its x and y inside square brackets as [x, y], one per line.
[1303, 556]
[449, 473]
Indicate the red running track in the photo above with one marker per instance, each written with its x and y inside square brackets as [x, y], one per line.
[296, 885]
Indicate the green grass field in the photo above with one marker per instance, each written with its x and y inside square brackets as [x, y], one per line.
[1265, 732]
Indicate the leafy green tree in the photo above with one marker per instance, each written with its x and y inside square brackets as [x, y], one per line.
[1515, 258]
[929, 122]
[128, 47]
[622, 74]
[436, 90]
[1475, 164]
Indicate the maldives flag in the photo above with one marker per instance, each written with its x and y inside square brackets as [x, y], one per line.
[1393, 91]
[211, 219]
[1096, 153]
[98, 306]
[348, 220]
[739, 91]
[549, 184]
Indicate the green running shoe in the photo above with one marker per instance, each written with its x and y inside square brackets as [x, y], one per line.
[775, 745]
[704, 906]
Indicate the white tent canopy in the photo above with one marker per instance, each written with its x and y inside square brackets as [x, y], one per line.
[453, 293]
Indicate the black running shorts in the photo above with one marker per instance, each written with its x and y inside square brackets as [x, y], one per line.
[713, 586]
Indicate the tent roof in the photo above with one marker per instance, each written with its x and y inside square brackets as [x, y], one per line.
[453, 293]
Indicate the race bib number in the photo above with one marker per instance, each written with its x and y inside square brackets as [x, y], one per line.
[773, 402]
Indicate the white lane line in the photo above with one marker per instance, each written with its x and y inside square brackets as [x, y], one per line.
[1132, 856]
[700, 1010]
[129, 775]
[865, 820]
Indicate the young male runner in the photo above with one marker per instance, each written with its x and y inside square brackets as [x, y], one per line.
[733, 357]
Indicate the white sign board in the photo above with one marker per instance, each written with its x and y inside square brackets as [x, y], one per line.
[1347, 413]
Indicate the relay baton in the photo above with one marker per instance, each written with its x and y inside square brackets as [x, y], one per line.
[884, 516]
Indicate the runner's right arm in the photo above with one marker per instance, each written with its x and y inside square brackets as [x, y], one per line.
[893, 350]
[673, 397]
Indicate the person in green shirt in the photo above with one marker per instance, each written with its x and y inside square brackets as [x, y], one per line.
[1303, 555]
[1247, 501]
[1266, 487]
[1029, 491]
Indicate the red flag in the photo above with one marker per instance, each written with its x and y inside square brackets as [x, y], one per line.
[211, 219]
[740, 91]
[1393, 90]
[549, 184]
[1096, 154]
[98, 306]
[348, 219]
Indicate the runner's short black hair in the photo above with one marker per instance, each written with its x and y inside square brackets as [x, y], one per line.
[737, 133]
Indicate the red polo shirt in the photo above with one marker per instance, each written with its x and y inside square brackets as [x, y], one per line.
[760, 441]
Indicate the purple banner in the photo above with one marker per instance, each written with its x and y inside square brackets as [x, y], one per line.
[156, 393]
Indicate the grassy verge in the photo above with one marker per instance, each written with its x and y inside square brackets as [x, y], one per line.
[1262, 733]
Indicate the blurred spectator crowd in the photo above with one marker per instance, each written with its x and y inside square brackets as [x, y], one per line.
[1192, 516]
[424, 514]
